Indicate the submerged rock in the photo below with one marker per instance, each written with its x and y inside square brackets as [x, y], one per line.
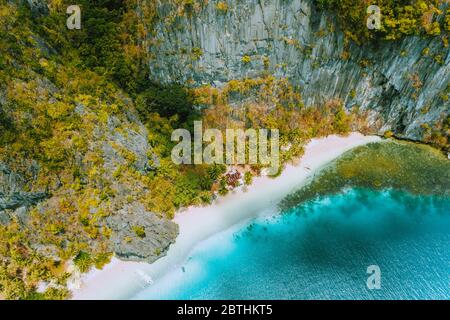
[388, 165]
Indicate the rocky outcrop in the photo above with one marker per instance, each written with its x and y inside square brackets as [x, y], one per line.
[37, 7]
[140, 235]
[113, 141]
[402, 84]
[14, 201]
[20, 199]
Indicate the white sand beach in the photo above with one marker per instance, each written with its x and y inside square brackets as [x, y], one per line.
[122, 280]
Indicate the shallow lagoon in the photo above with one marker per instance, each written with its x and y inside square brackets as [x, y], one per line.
[320, 245]
[322, 249]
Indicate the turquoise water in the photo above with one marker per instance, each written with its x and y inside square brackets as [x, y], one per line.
[321, 250]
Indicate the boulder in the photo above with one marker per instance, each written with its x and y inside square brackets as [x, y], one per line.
[139, 235]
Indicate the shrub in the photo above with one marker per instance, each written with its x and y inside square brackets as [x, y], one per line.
[56, 229]
[167, 101]
[246, 59]
[222, 6]
[399, 18]
[139, 231]
[196, 53]
[223, 188]
[341, 121]
[83, 261]
[388, 134]
[266, 63]
[248, 178]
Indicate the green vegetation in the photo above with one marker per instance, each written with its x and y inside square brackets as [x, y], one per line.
[266, 63]
[399, 18]
[222, 6]
[437, 135]
[57, 88]
[66, 96]
[278, 105]
[405, 166]
[167, 101]
[83, 261]
[196, 53]
[248, 178]
[246, 59]
[139, 231]
[110, 42]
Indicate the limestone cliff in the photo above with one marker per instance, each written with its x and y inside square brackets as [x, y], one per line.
[95, 138]
[403, 84]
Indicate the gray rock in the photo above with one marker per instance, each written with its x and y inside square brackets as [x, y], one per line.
[4, 218]
[297, 40]
[46, 250]
[14, 201]
[159, 234]
[133, 142]
[37, 7]
[21, 214]
[17, 200]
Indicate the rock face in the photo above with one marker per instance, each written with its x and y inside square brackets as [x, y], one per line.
[20, 199]
[401, 84]
[156, 235]
[13, 200]
[37, 7]
[119, 140]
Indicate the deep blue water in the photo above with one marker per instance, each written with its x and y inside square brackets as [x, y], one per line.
[321, 250]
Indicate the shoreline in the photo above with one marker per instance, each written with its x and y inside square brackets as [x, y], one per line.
[123, 280]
